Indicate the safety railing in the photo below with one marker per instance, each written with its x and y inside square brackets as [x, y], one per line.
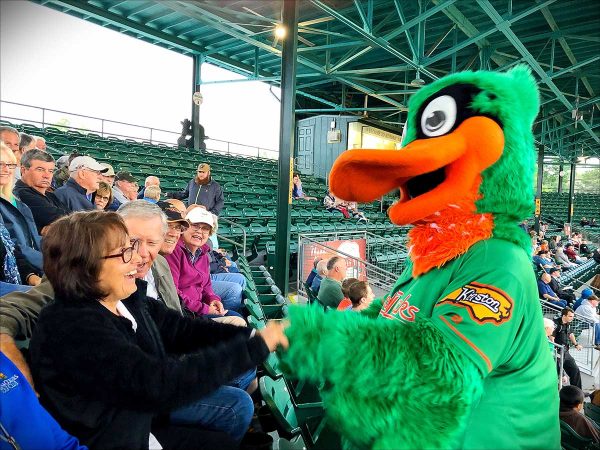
[358, 248]
[583, 329]
[558, 353]
[23, 114]
[236, 235]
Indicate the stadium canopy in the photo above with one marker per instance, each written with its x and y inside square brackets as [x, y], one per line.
[368, 56]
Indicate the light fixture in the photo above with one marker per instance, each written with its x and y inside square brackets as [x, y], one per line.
[280, 31]
[418, 81]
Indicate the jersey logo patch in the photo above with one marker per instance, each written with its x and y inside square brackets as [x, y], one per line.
[397, 307]
[485, 304]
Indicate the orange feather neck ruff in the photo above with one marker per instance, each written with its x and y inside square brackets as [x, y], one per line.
[447, 234]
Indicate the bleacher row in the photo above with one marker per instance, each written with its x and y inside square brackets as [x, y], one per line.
[249, 184]
[555, 206]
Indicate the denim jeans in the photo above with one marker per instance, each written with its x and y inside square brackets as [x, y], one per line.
[231, 277]
[230, 293]
[228, 409]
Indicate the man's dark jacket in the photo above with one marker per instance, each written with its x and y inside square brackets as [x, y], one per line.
[73, 196]
[45, 208]
[104, 383]
[209, 195]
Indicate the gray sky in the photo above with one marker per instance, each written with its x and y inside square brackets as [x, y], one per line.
[57, 61]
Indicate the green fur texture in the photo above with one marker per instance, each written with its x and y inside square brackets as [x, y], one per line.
[389, 385]
[507, 186]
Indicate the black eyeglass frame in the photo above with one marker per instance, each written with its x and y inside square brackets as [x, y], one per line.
[126, 251]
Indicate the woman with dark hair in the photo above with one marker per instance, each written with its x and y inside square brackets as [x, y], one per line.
[107, 360]
[103, 197]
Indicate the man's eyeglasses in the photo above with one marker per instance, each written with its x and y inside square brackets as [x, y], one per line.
[201, 227]
[127, 254]
[178, 227]
[10, 166]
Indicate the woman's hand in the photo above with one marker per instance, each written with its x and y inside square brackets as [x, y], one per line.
[216, 307]
[274, 336]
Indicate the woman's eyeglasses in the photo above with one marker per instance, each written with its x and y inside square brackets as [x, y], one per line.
[11, 166]
[127, 254]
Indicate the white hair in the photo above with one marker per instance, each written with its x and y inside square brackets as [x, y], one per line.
[144, 210]
[548, 323]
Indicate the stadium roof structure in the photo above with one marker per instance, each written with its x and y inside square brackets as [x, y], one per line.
[368, 56]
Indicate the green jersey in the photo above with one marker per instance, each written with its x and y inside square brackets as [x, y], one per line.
[486, 303]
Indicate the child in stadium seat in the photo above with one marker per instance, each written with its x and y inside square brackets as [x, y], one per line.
[361, 295]
[346, 303]
[571, 412]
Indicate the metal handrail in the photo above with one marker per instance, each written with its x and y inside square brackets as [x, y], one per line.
[266, 152]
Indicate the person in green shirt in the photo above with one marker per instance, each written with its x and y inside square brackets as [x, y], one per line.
[330, 292]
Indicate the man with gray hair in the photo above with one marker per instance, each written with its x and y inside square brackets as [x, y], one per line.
[37, 168]
[76, 193]
[10, 137]
[150, 181]
[40, 143]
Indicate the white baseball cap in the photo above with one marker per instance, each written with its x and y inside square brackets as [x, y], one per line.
[200, 215]
[86, 162]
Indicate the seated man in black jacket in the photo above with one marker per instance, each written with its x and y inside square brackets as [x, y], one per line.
[37, 168]
[563, 292]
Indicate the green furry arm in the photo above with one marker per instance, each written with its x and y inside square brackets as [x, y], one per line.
[373, 310]
[389, 384]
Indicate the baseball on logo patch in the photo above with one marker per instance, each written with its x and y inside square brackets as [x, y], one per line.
[486, 304]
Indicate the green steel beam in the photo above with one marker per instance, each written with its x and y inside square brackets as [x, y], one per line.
[374, 41]
[409, 38]
[362, 15]
[574, 67]
[565, 46]
[480, 36]
[342, 109]
[504, 27]
[286, 145]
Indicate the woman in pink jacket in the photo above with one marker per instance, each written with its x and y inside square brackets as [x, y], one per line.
[190, 267]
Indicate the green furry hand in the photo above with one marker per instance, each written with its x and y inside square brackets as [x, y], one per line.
[383, 377]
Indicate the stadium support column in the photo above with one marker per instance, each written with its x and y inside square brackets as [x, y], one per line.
[538, 187]
[571, 192]
[286, 143]
[196, 83]
[561, 172]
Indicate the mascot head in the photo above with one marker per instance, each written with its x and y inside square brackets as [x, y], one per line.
[468, 140]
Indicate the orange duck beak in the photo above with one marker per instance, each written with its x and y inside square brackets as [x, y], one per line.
[430, 173]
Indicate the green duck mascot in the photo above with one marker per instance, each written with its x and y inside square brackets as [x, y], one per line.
[455, 355]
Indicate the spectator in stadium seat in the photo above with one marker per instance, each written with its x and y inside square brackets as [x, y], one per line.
[321, 273]
[37, 168]
[297, 191]
[346, 303]
[202, 190]
[146, 359]
[10, 137]
[361, 295]
[61, 175]
[177, 205]
[586, 293]
[549, 328]
[561, 258]
[572, 254]
[76, 193]
[189, 265]
[26, 143]
[124, 190]
[584, 222]
[17, 402]
[564, 336]
[102, 198]
[542, 259]
[16, 215]
[330, 292]
[150, 181]
[554, 240]
[40, 143]
[565, 293]
[546, 292]
[152, 194]
[571, 412]
[109, 176]
[589, 310]
[313, 272]
[176, 225]
[16, 274]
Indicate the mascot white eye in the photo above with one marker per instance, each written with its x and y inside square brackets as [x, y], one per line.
[439, 116]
